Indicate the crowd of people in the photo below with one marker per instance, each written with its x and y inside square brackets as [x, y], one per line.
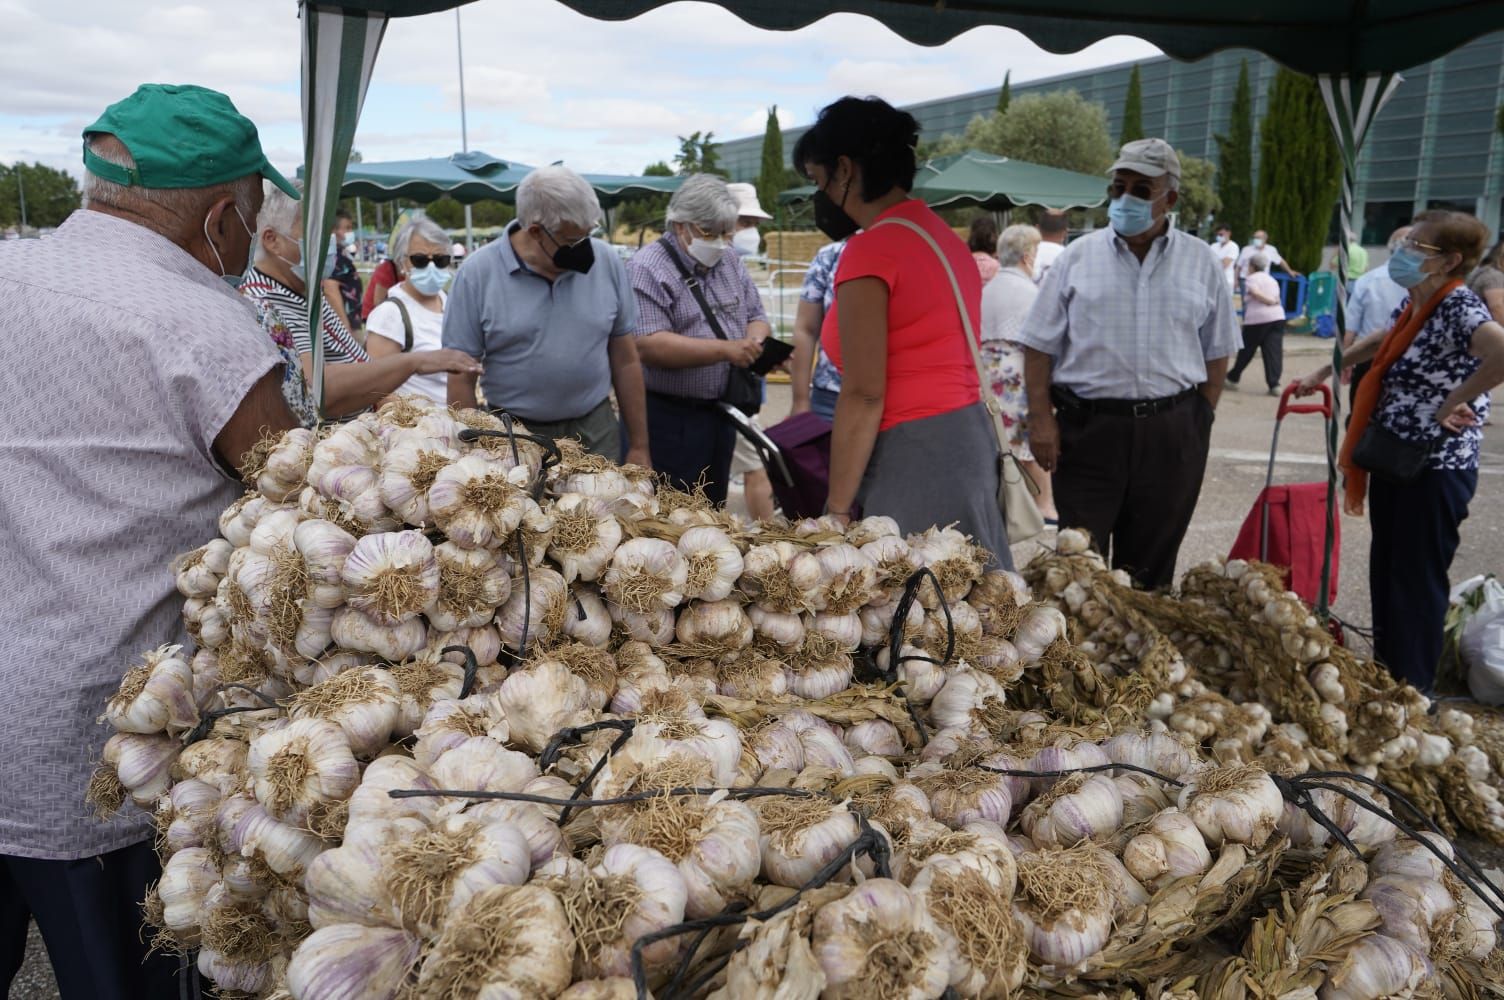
[1105, 359]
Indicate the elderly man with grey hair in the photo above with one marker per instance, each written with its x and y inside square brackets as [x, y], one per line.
[548, 311]
[134, 398]
[690, 341]
[1125, 351]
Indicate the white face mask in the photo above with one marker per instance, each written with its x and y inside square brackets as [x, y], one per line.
[707, 252]
[746, 241]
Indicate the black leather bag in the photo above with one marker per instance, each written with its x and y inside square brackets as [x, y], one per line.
[1390, 457]
[743, 387]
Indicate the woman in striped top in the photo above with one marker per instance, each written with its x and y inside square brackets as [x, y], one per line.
[277, 285]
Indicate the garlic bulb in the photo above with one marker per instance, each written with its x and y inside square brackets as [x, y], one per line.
[185, 815]
[392, 576]
[756, 678]
[1376, 966]
[187, 877]
[1079, 807]
[848, 580]
[431, 875]
[133, 764]
[542, 699]
[633, 891]
[505, 942]
[970, 899]
[1041, 626]
[823, 748]
[875, 736]
[655, 628]
[780, 576]
[969, 700]
[585, 537]
[1064, 902]
[216, 761]
[353, 630]
[712, 563]
[1158, 752]
[540, 609]
[1241, 805]
[478, 501]
[880, 941]
[961, 796]
[198, 572]
[954, 560]
[362, 702]
[408, 470]
[713, 842]
[285, 849]
[306, 763]
[586, 618]
[820, 668]
[1170, 848]
[347, 960]
[784, 629]
[155, 696]
[347, 886]
[646, 574]
[798, 837]
[472, 583]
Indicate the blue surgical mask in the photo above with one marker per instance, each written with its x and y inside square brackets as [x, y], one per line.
[1405, 267]
[300, 271]
[430, 280]
[1131, 216]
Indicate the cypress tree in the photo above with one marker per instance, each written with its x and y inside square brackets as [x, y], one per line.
[1300, 171]
[1235, 172]
[772, 177]
[1005, 96]
[1133, 110]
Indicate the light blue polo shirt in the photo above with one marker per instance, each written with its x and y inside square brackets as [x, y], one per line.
[543, 343]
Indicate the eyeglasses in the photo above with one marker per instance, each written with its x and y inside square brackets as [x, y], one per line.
[572, 243]
[1410, 244]
[1141, 189]
[706, 234]
[423, 259]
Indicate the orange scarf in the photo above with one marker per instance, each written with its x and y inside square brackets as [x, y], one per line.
[1405, 330]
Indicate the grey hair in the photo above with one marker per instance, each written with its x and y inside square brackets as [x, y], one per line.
[1259, 262]
[704, 200]
[423, 228]
[279, 212]
[1015, 243]
[178, 203]
[554, 196]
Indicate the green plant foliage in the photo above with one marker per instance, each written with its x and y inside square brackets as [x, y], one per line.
[1235, 152]
[1300, 171]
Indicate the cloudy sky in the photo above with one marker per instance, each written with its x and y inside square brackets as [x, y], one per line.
[542, 83]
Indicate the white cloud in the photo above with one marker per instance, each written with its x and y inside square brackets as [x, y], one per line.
[498, 87]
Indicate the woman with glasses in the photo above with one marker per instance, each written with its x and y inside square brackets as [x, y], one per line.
[1425, 400]
[411, 318]
[278, 287]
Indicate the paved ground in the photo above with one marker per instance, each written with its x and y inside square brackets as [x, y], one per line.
[1235, 473]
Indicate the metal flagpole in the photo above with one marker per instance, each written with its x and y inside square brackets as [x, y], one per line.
[21, 193]
[459, 44]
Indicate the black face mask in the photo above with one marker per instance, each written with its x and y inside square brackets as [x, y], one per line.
[831, 218]
[579, 257]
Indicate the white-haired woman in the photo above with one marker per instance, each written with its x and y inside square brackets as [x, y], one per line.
[411, 318]
[1006, 301]
[1263, 324]
[688, 349]
[277, 285]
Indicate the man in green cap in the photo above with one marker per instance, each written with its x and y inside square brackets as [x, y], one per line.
[133, 395]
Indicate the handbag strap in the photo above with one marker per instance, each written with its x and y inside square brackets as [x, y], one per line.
[999, 431]
[407, 323]
[697, 290]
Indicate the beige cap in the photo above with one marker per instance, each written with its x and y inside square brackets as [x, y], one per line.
[1150, 157]
[746, 201]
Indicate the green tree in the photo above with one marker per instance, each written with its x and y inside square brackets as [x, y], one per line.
[1133, 110]
[698, 155]
[1235, 152]
[774, 178]
[50, 195]
[1005, 96]
[1198, 192]
[1300, 170]
[1059, 129]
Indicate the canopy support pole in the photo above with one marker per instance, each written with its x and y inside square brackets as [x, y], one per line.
[339, 51]
[1352, 104]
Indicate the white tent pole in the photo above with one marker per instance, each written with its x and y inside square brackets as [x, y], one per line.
[459, 45]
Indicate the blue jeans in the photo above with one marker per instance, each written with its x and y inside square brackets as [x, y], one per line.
[823, 402]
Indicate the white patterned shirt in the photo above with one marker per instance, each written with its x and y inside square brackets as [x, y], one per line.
[116, 387]
[1119, 329]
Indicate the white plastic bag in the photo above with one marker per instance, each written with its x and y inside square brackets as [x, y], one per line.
[1481, 644]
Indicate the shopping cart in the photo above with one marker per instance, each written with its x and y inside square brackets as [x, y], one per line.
[796, 453]
[1287, 525]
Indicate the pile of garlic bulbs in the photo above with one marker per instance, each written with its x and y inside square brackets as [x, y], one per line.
[611, 712]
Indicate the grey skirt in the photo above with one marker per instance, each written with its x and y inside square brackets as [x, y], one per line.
[939, 471]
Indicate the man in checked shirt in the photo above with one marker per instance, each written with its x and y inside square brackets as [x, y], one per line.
[1125, 352]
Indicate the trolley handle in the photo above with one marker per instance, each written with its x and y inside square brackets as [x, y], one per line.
[1324, 407]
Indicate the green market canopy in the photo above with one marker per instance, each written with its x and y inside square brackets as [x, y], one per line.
[983, 180]
[1354, 48]
[477, 176]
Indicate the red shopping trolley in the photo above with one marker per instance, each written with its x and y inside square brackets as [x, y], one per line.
[1287, 525]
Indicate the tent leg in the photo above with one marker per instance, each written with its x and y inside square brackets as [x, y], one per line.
[469, 232]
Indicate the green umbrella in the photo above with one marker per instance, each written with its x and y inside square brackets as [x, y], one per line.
[982, 180]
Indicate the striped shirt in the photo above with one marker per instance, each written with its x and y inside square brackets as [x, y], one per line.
[340, 346]
[1120, 329]
[664, 302]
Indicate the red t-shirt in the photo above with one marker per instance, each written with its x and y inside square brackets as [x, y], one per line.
[930, 371]
[385, 276]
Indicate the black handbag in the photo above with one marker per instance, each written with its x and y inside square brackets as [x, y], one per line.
[743, 387]
[1390, 457]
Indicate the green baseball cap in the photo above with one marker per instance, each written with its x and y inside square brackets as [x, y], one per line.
[181, 136]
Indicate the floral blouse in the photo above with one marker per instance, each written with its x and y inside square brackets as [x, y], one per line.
[820, 286]
[1420, 380]
[294, 386]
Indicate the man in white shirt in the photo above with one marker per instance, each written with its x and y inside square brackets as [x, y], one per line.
[1260, 244]
[1125, 351]
[1227, 254]
[1053, 228]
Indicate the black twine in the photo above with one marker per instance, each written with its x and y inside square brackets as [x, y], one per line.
[207, 720]
[471, 667]
[901, 610]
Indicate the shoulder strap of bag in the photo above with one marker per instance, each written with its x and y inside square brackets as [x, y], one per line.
[999, 431]
[695, 289]
[407, 323]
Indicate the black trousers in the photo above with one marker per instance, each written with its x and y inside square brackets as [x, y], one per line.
[1133, 482]
[1267, 339]
[89, 913]
[1415, 536]
[691, 444]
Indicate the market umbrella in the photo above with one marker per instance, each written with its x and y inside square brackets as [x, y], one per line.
[1353, 47]
[983, 180]
[478, 176]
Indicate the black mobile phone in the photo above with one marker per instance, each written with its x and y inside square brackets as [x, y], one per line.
[774, 353]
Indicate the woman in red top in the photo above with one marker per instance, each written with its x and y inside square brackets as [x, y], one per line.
[911, 439]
